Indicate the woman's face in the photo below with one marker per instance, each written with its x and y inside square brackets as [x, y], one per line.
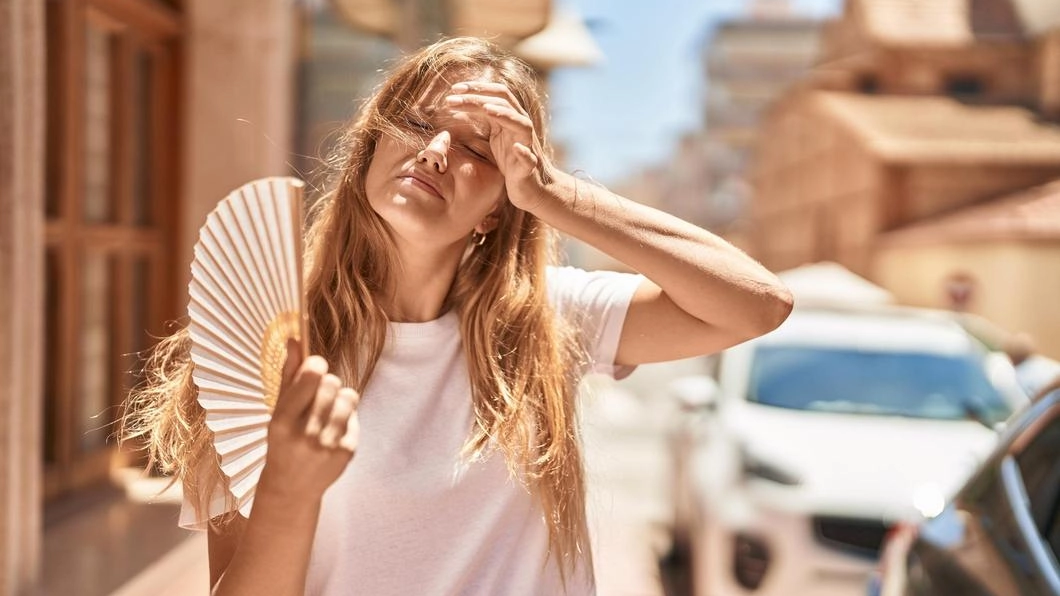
[435, 192]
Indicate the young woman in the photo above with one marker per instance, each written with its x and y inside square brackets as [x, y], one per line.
[431, 445]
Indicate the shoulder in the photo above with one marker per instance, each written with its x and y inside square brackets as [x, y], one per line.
[582, 296]
[571, 286]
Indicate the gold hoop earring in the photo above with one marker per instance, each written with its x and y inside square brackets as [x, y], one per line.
[478, 239]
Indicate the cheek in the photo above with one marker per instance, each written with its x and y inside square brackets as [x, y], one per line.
[377, 173]
[482, 180]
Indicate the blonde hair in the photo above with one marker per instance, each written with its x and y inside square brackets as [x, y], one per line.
[523, 360]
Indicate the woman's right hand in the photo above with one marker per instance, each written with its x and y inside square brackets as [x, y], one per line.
[313, 433]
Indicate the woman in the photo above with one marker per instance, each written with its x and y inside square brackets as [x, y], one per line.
[431, 446]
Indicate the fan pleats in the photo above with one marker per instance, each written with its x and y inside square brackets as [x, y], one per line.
[245, 291]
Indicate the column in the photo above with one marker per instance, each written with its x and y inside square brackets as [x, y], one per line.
[22, 75]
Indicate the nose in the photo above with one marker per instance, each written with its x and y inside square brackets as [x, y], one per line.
[434, 154]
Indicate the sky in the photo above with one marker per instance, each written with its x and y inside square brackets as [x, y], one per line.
[628, 112]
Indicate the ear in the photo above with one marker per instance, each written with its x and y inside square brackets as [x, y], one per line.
[491, 221]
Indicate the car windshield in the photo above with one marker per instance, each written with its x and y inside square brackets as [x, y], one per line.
[875, 382]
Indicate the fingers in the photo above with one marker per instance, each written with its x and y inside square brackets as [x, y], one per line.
[321, 406]
[332, 416]
[352, 438]
[467, 99]
[291, 363]
[526, 153]
[296, 395]
[504, 115]
[497, 90]
[343, 410]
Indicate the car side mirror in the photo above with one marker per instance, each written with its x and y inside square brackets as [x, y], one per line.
[695, 393]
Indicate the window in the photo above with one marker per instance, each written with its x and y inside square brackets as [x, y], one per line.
[964, 86]
[109, 205]
[868, 84]
[884, 383]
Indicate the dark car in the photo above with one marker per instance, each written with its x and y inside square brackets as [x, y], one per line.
[1000, 534]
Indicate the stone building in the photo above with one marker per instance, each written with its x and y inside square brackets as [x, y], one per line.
[1000, 257]
[749, 63]
[917, 110]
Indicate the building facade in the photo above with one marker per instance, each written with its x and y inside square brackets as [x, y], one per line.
[991, 258]
[128, 120]
[749, 63]
[917, 111]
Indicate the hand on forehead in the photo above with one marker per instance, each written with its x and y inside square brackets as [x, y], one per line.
[445, 101]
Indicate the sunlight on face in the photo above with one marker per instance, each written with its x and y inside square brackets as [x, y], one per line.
[434, 191]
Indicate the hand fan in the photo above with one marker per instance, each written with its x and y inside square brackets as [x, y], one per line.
[245, 302]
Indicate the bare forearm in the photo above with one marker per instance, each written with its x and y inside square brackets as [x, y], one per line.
[687, 262]
[273, 553]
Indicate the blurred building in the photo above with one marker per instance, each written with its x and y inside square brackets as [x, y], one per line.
[918, 110]
[997, 258]
[748, 64]
[122, 123]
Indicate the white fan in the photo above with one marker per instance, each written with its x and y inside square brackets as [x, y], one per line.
[245, 302]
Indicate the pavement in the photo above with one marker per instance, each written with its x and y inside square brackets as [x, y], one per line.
[184, 571]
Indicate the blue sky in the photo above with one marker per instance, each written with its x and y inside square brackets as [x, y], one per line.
[627, 113]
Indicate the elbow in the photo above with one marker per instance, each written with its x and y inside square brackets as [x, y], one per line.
[778, 303]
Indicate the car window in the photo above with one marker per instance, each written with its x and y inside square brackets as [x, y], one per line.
[1039, 465]
[875, 382]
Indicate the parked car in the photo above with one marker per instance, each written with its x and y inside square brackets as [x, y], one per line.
[1000, 535]
[810, 443]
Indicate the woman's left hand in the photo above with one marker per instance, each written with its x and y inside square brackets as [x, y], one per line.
[512, 138]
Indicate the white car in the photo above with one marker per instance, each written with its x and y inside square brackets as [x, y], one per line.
[816, 438]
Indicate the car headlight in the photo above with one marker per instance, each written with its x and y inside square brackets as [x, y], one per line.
[929, 501]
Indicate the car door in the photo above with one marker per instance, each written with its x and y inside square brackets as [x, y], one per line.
[1031, 477]
[1001, 535]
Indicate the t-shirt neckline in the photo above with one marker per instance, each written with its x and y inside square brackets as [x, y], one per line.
[446, 324]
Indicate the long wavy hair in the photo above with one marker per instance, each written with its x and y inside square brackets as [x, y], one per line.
[523, 361]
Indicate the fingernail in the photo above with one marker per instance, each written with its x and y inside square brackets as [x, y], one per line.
[461, 87]
[454, 99]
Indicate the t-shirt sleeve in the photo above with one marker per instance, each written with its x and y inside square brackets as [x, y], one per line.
[595, 302]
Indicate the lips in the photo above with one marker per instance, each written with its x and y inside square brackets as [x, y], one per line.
[421, 182]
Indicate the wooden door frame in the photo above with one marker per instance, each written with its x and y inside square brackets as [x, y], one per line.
[157, 29]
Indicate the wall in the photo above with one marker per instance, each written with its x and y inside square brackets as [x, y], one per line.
[238, 105]
[1005, 69]
[21, 291]
[933, 189]
[1010, 288]
[816, 189]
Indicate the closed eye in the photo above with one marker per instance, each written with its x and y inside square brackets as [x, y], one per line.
[479, 153]
[416, 124]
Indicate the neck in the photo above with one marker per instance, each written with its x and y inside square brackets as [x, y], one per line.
[421, 283]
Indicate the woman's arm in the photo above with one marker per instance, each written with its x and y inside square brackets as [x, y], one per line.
[313, 434]
[268, 554]
[703, 295]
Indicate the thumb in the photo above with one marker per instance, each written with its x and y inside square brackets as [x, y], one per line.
[290, 366]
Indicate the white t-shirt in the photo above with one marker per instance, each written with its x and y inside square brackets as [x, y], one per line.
[409, 516]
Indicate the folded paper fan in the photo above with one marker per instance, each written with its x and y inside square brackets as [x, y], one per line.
[245, 302]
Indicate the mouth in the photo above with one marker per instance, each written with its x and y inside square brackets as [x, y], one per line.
[421, 183]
